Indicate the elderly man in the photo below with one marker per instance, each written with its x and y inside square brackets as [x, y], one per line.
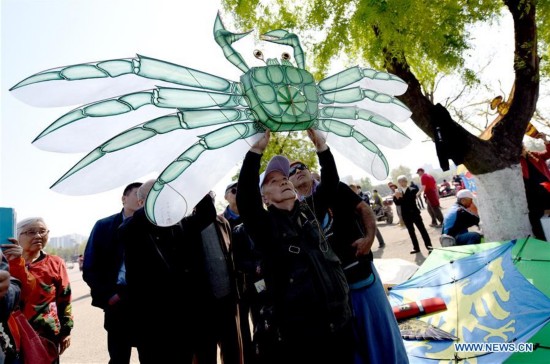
[309, 295]
[393, 187]
[405, 196]
[462, 215]
[104, 272]
[192, 256]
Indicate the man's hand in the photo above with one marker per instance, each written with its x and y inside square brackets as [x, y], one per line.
[318, 140]
[362, 246]
[261, 144]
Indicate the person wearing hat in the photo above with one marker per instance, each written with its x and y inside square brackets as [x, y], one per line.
[308, 294]
[231, 212]
[431, 191]
[462, 215]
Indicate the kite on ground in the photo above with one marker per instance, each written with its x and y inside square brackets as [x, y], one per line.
[488, 302]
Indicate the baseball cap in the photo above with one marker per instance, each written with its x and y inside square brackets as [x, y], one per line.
[230, 186]
[464, 194]
[276, 163]
[419, 170]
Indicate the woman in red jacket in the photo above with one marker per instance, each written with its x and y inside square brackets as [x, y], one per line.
[47, 306]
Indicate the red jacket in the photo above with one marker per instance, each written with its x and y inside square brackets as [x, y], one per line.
[538, 160]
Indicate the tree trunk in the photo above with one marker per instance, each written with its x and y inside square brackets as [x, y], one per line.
[502, 204]
[501, 192]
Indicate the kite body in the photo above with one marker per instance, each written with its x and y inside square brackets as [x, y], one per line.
[211, 113]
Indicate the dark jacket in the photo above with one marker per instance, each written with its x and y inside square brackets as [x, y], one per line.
[408, 202]
[344, 226]
[247, 259]
[160, 267]
[172, 260]
[166, 258]
[302, 273]
[102, 260]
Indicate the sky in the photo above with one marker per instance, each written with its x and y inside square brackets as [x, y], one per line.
[42, 34]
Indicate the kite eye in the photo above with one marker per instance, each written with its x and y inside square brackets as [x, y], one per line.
[285, 56]
[258, 54]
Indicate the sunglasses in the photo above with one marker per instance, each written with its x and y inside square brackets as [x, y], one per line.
[295, 168]
[233, 191]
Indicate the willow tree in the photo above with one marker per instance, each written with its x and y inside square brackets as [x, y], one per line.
[419, 41]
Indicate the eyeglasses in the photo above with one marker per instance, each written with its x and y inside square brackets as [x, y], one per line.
[32, 233]
[295, 168]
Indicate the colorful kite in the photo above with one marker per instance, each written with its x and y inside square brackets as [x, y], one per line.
[492, 309]
[208, 113]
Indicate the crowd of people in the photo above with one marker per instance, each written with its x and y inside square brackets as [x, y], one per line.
[284, 274]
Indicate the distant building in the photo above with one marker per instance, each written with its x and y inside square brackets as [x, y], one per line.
[67, 241]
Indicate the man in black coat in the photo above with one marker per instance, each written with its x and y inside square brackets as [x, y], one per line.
[103, 271]
[405, 196]
[165, 263]
[302, 273]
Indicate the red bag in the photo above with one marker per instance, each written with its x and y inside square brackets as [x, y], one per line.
[33, 348]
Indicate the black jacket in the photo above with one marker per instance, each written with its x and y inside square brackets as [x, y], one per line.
[303, 275]
[102, 260]
[408, 202]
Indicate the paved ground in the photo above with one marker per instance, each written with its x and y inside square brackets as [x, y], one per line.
[398, 242]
